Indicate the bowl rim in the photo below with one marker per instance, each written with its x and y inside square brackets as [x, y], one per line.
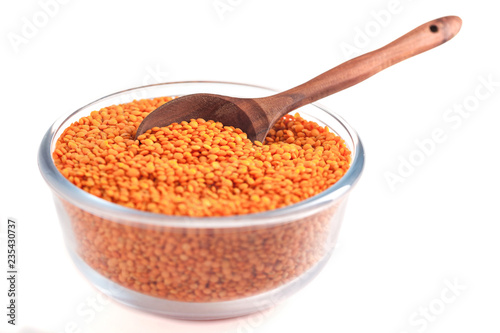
[112, 211]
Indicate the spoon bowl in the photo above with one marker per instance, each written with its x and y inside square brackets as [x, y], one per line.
[225, 109]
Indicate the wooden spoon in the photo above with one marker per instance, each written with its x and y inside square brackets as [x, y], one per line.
[256, 116]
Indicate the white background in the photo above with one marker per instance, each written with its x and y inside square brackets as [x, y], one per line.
[400, 247]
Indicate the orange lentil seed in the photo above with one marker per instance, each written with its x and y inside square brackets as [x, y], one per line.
[201, 169]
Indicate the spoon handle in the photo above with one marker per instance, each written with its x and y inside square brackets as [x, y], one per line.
[421, 39]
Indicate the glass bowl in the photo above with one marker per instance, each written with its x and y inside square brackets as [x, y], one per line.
[199, 268]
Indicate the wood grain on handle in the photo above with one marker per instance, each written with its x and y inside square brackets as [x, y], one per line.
[421, 39]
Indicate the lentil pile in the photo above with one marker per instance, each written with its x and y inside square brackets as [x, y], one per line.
[199, 168]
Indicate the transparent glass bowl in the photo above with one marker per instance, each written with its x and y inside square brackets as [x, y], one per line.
[199, 268]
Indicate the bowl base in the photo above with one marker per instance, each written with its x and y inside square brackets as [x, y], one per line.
[197, 311]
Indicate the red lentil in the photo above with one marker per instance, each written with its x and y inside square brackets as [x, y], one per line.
[199, 168]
